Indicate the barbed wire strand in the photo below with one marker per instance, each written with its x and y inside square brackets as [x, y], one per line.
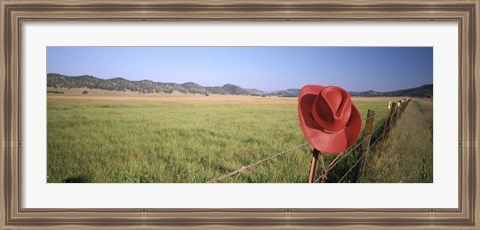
[352, 148]
[322, 177]
[255, 163]
[323, 163]
[366, 118]
[356, 163]
[378, 139]
[324, 174]
[379, 126]
[336, 161]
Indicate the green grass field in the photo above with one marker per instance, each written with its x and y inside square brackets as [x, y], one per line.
[406, 156]
[125, 139]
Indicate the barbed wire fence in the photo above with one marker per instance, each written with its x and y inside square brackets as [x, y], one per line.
[362, 147]
[243, 168]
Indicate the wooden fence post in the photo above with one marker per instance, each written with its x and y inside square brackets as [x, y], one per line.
[406, 103]
[313, 166]
[402, 107]
[399, 110]
[393, 110]
[365, 147]
[386, 121]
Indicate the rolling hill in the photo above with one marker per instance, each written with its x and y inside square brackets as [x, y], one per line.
[422, 91]
[146, 86]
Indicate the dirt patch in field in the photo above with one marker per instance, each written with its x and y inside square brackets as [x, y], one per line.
[212, 99]
[393, 99]
[130, 96]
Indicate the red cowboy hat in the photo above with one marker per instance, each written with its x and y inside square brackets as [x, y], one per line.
[328, 118]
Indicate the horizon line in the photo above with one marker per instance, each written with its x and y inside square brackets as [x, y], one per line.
[268, 91]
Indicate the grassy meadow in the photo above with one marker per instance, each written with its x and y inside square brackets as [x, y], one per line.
[192, 139]
[407, 155]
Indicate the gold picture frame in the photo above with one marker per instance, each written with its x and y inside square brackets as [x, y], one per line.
[15, 12]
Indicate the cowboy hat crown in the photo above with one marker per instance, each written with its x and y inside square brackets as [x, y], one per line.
[328, 118]
[331, 109]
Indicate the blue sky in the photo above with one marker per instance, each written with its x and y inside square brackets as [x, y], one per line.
[265, 68]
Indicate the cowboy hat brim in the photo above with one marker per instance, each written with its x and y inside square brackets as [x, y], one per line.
[321, 140]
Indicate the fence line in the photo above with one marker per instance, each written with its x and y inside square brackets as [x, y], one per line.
[334, 162]
[378, 139]
[394, 112]
[367, 118]
[354, 165]
[255, 163]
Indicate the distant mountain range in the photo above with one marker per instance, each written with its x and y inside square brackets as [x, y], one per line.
[146, 86]
[422, 91]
